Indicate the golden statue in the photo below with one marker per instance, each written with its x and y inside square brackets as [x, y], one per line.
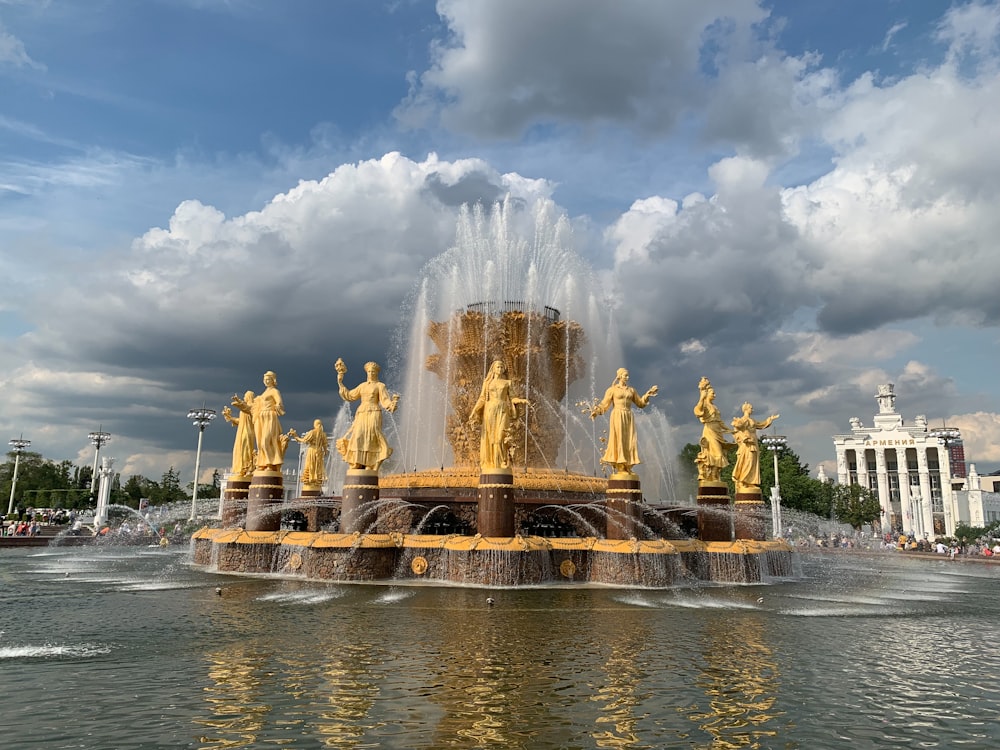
[746, 471]
[244, 457]
[317, 449]
[364, 446]
[497, 410]
[265, 410]
[623, 451]
[712, 458]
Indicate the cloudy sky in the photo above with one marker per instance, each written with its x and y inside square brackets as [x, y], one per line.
[795, 199]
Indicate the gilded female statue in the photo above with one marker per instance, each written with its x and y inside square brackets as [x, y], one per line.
[364, 446]
[317, 449]
[496, 409]
[712, 457]
[746, 471]
[265, 410]
[243, 453]
[622, 452]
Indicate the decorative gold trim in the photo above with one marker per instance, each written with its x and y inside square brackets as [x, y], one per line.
[295, 561]
[567, 568]
[496, 486]
[360, 486]
[266, 487]
[419, 565]
[624, 490]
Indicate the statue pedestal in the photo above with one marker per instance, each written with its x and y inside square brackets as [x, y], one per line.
[714, 513]
[496, 503]
[749, 516]
[234, 502]
[317, 516]
[356, 505]
[264, 500]
[623, 506]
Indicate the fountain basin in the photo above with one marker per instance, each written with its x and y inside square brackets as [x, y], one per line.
[489, 561]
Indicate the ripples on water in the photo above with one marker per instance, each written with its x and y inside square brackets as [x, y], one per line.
[133, 649]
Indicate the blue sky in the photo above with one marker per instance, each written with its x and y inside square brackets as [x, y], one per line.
[794, 199]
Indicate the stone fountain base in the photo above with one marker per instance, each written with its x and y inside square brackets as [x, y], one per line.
[488, 561]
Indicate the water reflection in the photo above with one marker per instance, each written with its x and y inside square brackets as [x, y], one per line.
[234, 697]
[349, 691]
[620, 694]
[740, 678]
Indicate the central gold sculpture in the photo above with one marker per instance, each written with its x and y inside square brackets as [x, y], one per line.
[496, 409]
[540, 351]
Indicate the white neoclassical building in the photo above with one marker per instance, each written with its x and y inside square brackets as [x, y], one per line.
[907, 465]
[978, 501]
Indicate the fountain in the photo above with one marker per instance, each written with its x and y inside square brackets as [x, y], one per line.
[508, 351]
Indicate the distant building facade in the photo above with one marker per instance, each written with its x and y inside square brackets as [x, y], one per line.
[978, 501]
[908, 466]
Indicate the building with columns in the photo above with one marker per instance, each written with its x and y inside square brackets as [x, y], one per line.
[907, 465]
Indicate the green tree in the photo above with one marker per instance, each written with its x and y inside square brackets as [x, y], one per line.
[170, 490]
[40, 482]
[855, 505]
[966, 534]
[138, 487]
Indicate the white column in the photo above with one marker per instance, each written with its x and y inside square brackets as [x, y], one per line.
[843, 475]
[951, 515]
[882, 479]
[925, 482]
[104, 493]
[907, 499]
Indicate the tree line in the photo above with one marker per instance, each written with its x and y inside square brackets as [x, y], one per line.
[42, 483]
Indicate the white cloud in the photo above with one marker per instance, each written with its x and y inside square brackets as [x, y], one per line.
[509, 66]
[12, 52]
[979, 436]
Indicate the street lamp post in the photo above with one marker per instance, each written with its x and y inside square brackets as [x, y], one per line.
[18, 444]
[97, 439]
[200, 418]
[775, 443]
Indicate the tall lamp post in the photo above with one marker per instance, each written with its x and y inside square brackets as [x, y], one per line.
[775, 443]
[200, 418]
[97, 439]
[18, 445]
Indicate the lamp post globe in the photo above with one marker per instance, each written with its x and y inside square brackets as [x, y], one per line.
[18, 446]
[200, 418]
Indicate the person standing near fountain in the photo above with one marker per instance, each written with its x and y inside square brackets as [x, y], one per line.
[622, 452]
[746, 471]
[712, 458]
[244, 458]
[497, 410]
[317, 449]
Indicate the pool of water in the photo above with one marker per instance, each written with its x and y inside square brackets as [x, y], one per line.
[133, 648]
